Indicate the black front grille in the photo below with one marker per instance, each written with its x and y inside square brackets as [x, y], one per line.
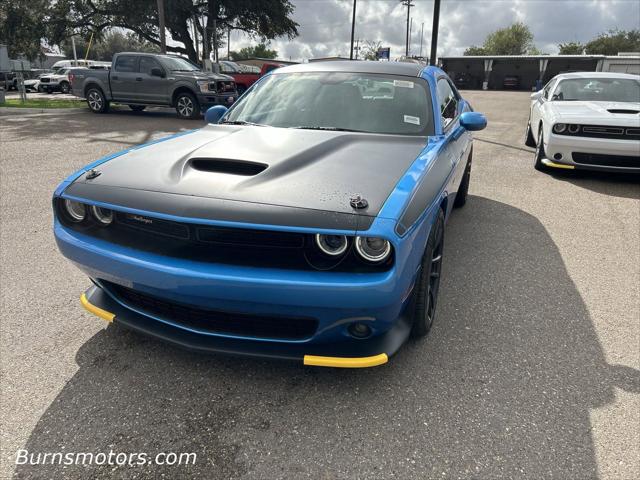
[214, 321]
[225, 86]
[606, 160]
[602, 131]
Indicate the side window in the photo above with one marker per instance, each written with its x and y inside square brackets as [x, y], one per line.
[147, 63]
[448, 102]
[547, 90]
[126, 63]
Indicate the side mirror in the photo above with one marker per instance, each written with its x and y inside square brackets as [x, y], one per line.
[473, 121]
[215, 113]
[157, 72]
[536, 95]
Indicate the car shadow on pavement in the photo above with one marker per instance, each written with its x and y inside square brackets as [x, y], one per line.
[624, 185]
[502, 388]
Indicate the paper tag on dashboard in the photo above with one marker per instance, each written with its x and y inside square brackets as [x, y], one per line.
[410, 119]
[402, 83]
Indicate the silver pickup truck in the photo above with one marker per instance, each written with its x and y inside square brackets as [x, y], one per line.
[141, 79]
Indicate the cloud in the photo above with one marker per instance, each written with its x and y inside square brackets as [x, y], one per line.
[325, 25]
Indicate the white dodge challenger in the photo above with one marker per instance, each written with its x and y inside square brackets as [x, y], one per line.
[588, 120]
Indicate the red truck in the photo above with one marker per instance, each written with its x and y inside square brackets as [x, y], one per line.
[244, 79]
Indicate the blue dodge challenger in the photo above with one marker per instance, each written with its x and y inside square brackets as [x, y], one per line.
[304, 223]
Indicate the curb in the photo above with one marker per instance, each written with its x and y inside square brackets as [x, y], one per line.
[50, 111]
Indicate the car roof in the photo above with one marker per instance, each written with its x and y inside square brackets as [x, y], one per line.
[564, 76]
[356, 66]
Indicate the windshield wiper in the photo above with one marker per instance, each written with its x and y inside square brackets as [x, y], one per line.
[332, 129]
[241, 122]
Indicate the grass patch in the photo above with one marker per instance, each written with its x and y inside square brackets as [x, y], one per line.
[42, 103]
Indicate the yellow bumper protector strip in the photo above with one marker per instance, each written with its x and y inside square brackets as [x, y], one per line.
[343, 362]
[549, 163]
[103, 314]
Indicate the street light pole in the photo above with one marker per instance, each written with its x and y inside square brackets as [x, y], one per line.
[353, 28]
[408, 4]
[163, 40]
[421, 38]
[434, 32]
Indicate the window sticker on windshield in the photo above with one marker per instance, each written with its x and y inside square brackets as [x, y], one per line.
[402, 83]
[410, 119]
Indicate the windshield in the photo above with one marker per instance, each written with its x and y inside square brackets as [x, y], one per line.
[176, 64]
[360, 102]
[598, 89]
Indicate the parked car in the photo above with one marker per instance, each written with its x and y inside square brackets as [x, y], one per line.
[244, 79]
[58, 81]
[7, 80]
[587, 120]
[309, 230]
[511, 82]
[142, 79]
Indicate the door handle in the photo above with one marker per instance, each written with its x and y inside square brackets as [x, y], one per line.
[138, 79]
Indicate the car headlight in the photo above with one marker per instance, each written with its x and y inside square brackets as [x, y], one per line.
[573, 128]
[77, 211]
[104, 216]
[373, 249]
[559, 127]
[332, 244]
[203, 85]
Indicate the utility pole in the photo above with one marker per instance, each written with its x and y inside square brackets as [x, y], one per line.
[421, 37]
[410, 35]
[163, 40]
[408, 4]
[75, 55]
[357, 48]
[353, 28]
[434, 32]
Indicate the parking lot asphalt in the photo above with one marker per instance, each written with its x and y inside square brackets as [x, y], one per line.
[532, 369]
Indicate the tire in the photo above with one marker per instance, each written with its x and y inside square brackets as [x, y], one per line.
[428, 285]
[96, 100]
[539, 155]
[137, 108]
[463, 189]
[65, 87]
[187, 106]
[528, 137]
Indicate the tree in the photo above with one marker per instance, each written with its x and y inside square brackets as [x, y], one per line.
[571, 48]
[105, 46]
[259, 51]
[473, 50]
[614, 42]
[514, 40]
[21, 27]
[267, 19]
[370, 50]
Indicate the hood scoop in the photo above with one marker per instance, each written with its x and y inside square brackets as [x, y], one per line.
[623, 111]
[230, 167]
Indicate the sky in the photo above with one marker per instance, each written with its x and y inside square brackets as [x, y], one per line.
[325, 25]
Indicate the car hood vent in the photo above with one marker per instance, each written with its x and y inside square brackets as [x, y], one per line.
[624, 111]
[231, 167]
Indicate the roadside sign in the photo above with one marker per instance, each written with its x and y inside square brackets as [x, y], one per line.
[383, 53]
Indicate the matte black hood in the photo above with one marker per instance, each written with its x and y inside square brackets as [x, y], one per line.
[275, 167]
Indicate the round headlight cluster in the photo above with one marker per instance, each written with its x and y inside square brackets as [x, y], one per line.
[373, 249]
[333, 245]
[104, 216]
[78, 212]
[559, 127]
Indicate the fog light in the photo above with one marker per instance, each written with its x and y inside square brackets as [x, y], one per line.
[359, 330]
[558, 156]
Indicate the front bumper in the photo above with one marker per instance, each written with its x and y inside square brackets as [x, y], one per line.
[559, 150]
[336, 300]
[347, 354]
[207, 100]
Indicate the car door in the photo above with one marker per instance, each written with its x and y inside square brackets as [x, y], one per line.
[151, 88]
[456, 139]
[123, 78]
